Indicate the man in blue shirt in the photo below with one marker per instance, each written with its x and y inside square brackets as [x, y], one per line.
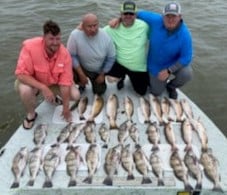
[170, 50]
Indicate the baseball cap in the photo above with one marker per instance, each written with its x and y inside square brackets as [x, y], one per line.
[172, 8]
[128, 6]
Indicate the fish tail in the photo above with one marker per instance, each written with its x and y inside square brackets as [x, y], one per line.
[105, 146]
[47, 184]
[188, 187]
[30, 182]
[82, 117]
[130, 177]
[147, 121]
[217, 188]
[108, 181]
[113, 125]
[155, 148]
[160, 182]
[72, 182]
[146, 180]
[88, 180]
[187, 148]
[15, 184]
[198, 186]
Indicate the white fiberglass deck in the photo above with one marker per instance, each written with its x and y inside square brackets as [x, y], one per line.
[216, 140]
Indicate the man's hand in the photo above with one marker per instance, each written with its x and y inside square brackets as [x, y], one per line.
[100, 78]
[114, 23]
[66, 113]
[48, 94]
[163, 75]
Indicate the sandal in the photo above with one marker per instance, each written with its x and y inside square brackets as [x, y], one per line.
[27, 120]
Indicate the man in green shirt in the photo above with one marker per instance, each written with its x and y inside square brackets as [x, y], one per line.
[130, 40]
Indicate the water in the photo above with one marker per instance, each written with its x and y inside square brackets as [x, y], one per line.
[207, 20]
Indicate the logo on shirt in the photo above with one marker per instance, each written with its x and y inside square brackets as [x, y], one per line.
[60, 65]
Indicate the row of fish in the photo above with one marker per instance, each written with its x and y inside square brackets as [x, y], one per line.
[125, 156]
[151, 108]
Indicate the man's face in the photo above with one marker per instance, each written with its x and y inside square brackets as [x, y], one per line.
[91, 28]
[52, 43]
[171, 21]
[128, 18]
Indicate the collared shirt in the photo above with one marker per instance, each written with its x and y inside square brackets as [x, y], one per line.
[166, 49]
[33, 61]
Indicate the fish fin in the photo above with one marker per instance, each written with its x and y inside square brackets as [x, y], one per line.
[108, 181]
[15, 185]
[88, 180]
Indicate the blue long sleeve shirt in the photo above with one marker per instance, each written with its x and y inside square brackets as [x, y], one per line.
[166, 49]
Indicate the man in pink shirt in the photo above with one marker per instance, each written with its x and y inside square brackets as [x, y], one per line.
[43, 64]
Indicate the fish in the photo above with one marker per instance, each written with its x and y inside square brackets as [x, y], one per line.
[93, 160]
[112, 106]
[145, 109]
[96, 109]
[40, 134]
[156, 107]
[127, 161]
[186, 130]
[142, 164]
[134, 134]
[123, 131]
[177, 107]
[111, 164]
[89, 133]
[157, 167]
[51, 162]
[73, 160]
[75, 133]
[18, 165]
[179, 170]
[104, 134]
[153, 135]
[170, 136]
[187, 109]
[210, 165]
[128, 107]
[82, 106]
[192, 163]
[34, 163]
[200, 129]
[165, 107]
[64, 133]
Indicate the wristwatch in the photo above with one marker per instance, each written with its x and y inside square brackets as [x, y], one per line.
[169, 71]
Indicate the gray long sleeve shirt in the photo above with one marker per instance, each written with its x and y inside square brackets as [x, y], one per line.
[95, 54]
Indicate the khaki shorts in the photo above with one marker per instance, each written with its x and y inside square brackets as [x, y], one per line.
[54, 88]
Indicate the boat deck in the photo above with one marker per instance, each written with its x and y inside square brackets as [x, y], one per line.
[49, 114]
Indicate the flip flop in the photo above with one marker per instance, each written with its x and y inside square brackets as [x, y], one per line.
[29, 121]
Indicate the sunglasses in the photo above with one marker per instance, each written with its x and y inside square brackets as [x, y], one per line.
[128, 13]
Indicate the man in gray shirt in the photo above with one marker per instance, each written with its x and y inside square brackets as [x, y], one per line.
[93, 54]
